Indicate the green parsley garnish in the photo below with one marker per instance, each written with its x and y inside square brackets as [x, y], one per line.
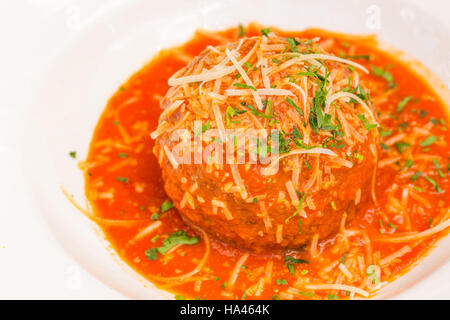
[293, 44]
[386, 75]
[245, 86]
[369, 126]
[438, 168]
[403, 103]
[166, 205]
[401, 146]
[423, 113]
[428, 141]
[384, 133]
[416, 176]
[333, 205]
[203, 128]
[241, 31]
[265, 32]
[292, 103]
[176, 238]
[232, 112]
[122, 179]
[372, 275]
[434, 184]
[306, 294]
[408, 164]
[290, 261]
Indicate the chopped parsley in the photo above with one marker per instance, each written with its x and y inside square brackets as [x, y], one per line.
[292, 103]
[241, 31]
[355, 57]
[403, 103]
[151, 255]
[343, 257]
[265, 31]
[384, 146]
[281, 281]
[73, 154]
[176, 238]
[372, 275]
[416, 176]
[306, 294]
[401, 146]
[434, 184]
[245, 86]
[438, 168]
[382, 230]
[203, 128]
[384, 133]
[300, 223]
[369, 126]
[290, 262]
[333, 205]
[302, 199]
[428, 141]
[122, 179]
[408, 164]
[257, 113]
[293, 44]
[122, 155]
[166, 206]
[319, 120]
[385, 74]
[232, 112]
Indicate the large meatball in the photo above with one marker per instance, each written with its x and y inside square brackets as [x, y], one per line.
[300, 126]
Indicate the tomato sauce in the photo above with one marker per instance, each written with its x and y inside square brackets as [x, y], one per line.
[123, 182]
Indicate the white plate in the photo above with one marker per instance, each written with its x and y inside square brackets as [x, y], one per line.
[104, 42]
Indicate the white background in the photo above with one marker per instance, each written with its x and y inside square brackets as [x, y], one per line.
[32, 264]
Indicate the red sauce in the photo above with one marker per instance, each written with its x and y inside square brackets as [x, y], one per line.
[123, 182]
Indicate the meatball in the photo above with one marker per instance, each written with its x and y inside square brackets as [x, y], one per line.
[267, 143]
